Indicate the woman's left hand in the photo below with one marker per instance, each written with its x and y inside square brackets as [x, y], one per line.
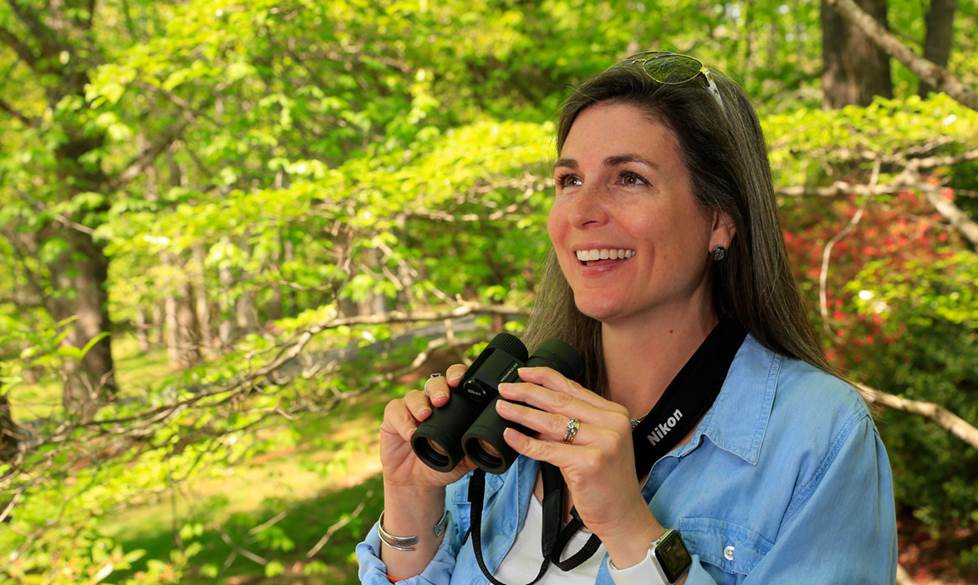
[598, 465]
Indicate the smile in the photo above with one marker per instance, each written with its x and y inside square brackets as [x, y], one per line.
[588, 256]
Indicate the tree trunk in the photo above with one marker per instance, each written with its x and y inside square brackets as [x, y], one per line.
[245, 306]
[937, 40]
[187, 329]
[10, 434]
[203, 302]
[245, 313]
[79, 276]
[159, 324]
[172, 330]
[142, 329]
[854, 69]
[226, 331]
[274, 306]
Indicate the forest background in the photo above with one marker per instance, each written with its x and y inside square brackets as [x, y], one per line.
[231, 231]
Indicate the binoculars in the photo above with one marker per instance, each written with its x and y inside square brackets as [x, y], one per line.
[468, 423]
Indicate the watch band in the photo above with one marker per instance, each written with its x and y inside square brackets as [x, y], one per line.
[409, 543]
[653, 569]
[644, 572]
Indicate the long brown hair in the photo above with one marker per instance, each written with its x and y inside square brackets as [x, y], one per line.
[724, 151]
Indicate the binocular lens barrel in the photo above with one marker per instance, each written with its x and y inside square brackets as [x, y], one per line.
[468, 423]
[484, 442]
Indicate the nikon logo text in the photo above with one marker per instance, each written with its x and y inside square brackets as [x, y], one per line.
[662, 429]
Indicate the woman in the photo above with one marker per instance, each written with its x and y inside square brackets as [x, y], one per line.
[663, 225]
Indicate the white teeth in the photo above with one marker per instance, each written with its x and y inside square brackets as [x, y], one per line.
[604, 254]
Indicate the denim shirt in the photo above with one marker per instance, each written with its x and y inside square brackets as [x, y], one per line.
[784, 480]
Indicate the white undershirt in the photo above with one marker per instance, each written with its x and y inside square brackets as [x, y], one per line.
[522, 563]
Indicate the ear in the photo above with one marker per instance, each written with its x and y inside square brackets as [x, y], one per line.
[724, 230]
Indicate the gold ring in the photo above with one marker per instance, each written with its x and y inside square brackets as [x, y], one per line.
[573, 426]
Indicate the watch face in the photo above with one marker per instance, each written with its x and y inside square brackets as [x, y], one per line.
[672, 556]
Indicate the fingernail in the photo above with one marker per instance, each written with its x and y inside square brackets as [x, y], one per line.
[424, 412]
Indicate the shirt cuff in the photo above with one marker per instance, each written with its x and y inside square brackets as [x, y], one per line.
[373, 571]
[645, 572]
[646, 569]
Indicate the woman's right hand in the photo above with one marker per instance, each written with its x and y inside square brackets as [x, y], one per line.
[402, 468]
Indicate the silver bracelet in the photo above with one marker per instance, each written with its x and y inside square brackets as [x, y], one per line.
[407, 543]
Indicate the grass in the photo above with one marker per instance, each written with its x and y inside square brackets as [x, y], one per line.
[277, 508]
[257, 522]
[135, 372]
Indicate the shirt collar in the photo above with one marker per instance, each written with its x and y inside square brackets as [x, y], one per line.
[738, 419]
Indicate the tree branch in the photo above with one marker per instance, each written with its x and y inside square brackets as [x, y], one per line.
[148, 155]
[951, 212]
[823, 275]
[24, 118]
[933, 412]
[46, 37]
[841, 189]
[938, 77]
[18, 46]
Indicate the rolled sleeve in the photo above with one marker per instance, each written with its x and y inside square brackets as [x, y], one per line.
[373, 570]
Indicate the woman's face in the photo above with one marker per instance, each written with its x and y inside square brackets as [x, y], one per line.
[630, 237]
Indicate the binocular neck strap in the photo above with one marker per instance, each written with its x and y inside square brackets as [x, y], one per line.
[687, 398]
[551, 522]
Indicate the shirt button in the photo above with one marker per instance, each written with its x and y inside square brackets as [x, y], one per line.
[728, 552]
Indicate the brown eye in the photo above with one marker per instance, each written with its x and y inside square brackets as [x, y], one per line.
[630, 178]
[568, 180]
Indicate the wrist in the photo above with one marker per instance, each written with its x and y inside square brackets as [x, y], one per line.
[413, 510]
[629, 544]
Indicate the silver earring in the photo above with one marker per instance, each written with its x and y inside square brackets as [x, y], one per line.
[718, 253]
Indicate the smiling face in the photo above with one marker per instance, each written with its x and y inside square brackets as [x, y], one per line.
[630, 237]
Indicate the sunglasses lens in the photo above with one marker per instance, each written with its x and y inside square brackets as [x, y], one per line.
[672, 68]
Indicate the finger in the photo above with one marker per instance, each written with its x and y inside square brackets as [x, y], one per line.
[454, 373]
[550, 401]
[436, 388]
[550, 378]
[551, 427]
[398, 420]
[418, 405]
[559, 454]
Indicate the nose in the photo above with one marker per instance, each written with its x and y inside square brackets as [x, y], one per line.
[590, 207]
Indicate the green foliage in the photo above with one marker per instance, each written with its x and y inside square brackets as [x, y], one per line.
[288, 164]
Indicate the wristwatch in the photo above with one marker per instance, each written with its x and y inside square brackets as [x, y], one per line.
[669, 555]
[664, 563]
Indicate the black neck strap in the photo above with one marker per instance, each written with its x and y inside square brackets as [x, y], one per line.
[684, 402]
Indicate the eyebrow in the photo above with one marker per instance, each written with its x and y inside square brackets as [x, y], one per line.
[611, 161]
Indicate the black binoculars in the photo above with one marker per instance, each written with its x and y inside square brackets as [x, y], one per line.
[468, 423]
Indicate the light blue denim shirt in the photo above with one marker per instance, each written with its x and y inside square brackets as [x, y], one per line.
[785, 481]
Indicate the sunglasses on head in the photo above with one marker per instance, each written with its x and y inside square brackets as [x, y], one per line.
[674, 69]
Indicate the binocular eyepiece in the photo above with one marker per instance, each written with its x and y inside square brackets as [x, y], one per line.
[468, 423]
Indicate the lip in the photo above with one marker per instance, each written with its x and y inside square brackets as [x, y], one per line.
[600, 270]
[603, 269]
